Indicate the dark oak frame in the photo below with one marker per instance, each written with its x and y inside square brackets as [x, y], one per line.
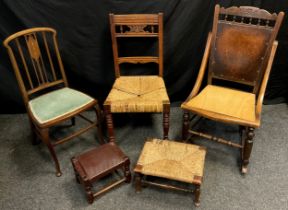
[81, 178]
[31, 38]
[137, 23]
[259, 83]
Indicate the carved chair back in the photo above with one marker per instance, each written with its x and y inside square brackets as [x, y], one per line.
[36, 60]
[242, 38]
[137, 25]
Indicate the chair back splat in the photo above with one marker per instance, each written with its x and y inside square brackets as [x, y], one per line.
[137, 25]
[36, 60]
[242, 38]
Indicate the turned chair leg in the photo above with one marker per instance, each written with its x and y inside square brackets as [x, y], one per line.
[185, 125]
[127, 172]
[138, 182]
[46, 139]
[197, 195]
[99, 123]
[248, 144]
[166, 115]
[109, 121]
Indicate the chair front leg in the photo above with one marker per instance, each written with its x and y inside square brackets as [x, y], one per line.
[166, 115]
[34, 139]
[248, 144]
[46, 139]
[127, 172]
[109, 121]
[185, 125]
[99, 123]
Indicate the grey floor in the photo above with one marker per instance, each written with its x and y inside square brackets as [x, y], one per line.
[27, 179]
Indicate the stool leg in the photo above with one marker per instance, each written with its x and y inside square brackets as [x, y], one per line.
[197, 195]
[138, 183]
[166, 115]
[127, 172]
[89, 193]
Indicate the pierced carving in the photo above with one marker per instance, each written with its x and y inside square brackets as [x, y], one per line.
[137, 29]
[128, 29]
[33, 47]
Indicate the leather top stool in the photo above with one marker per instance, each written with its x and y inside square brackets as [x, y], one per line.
[94, 164]
[171, 160]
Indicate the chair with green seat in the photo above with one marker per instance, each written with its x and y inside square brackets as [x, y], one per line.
[49, 101]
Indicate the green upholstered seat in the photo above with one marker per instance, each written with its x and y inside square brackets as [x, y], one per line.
[58, 103]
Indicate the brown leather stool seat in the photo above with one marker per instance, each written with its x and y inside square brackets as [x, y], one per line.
[94, 164]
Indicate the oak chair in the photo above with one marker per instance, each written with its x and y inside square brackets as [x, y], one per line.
[240, 50]
[49, 101]
[137, 93]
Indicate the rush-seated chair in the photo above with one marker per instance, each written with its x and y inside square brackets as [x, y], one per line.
[40, 74]
[137, 93]
[240, 50]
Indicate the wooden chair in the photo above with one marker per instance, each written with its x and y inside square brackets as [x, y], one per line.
[240, 50]
[40, 74]
[137, 93]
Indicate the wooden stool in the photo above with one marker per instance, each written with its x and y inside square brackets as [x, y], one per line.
[171, 160]
[97, 163]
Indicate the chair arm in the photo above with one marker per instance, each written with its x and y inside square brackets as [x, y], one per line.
[198, 83]
[265, 80]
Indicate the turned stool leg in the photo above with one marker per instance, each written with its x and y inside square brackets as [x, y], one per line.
[166, 115]
[138, 182]
[197, 195]
[89, 193]
[109, 121]
[248, 144]
[185, 126]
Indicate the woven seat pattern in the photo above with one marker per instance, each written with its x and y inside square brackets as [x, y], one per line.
[138, 94]
[172, 160]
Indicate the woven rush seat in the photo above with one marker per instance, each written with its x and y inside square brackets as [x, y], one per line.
[235, 105]
[57, 104]
[171, 160]
[137, 94]
[96, 163]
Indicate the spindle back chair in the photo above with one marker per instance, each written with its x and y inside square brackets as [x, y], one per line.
[39, 70]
